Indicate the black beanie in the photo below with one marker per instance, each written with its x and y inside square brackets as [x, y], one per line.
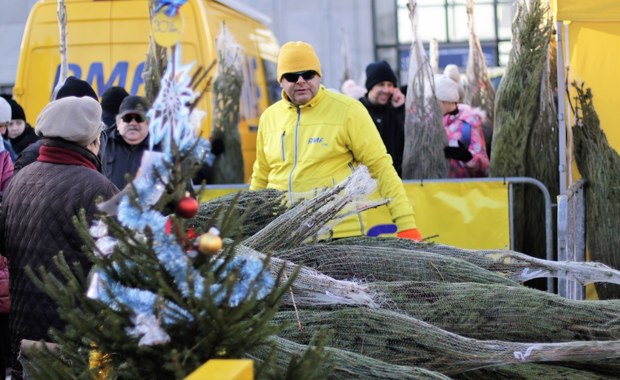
[112, 98]
[379, 72]
[76, 87]
[17, 112]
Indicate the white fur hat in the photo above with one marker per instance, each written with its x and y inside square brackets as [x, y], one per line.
[446, 89]
[5, 111]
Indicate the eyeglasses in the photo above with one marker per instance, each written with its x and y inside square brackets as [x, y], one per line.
[294, 77]
[131, 116]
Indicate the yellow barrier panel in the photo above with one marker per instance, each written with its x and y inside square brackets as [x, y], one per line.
[221, 369]
[473, 215]
[466, 214]
[216, 191]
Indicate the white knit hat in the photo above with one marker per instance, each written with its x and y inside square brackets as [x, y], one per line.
[72, 119]
[446, 89]
[5, 111]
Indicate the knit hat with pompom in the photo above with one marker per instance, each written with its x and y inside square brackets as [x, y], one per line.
[446, 89]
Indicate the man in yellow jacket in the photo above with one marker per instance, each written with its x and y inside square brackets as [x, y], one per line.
[314, 138]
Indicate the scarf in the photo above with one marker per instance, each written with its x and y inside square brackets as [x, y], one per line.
[64, 155]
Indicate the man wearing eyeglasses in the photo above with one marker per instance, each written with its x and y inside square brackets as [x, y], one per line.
[314, 138]
[125, 145]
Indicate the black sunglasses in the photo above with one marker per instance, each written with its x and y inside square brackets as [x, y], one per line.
[132, 116]
[294, 77]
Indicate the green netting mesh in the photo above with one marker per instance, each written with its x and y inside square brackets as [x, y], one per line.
[513, 265]
[513, 313]
[369, 263]
[350, 365]
[531, 371]
[400, 339]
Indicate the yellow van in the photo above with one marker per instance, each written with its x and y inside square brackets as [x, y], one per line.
[108, 42]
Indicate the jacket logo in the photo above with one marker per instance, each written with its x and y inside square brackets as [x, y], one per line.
[317, 140]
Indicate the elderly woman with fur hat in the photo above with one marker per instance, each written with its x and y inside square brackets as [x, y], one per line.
[72, 86]
[314, 138]
[466, 147]
[63, 181]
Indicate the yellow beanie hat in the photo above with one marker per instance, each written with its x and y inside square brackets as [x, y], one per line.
[297, 56]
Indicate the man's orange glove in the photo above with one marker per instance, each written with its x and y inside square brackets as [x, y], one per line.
[413, 234]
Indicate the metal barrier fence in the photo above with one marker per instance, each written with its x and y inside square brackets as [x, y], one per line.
[217, 190]
[572, 235]
[510, 181]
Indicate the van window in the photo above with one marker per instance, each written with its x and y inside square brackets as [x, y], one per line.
[273, 86]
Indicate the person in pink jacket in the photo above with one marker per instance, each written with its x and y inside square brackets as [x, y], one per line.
[6, 164]
[466, 146]
[6, 173]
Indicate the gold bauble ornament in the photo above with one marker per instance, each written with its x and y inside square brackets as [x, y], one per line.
[209, 243]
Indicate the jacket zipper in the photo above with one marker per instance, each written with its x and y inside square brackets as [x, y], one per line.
[282, 145]
[295, 156]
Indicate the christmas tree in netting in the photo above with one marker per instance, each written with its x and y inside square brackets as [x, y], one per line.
[163, 296]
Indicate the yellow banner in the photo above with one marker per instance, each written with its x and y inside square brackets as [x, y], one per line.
[594, 50]
[470, 214]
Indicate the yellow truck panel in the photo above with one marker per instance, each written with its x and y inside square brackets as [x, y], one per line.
[108, 43]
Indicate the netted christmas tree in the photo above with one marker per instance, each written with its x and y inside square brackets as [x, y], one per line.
[425, 136]
[599, 164]
[228, 167]
[525, 129]
[479, 91]
[164, 297]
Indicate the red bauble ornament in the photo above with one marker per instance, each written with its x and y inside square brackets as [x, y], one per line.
[187, 207]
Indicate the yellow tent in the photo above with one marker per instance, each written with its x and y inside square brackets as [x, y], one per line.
[589, 52]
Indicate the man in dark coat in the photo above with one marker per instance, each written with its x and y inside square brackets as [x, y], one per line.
[38, 207]
[386, 105]
[125, 144]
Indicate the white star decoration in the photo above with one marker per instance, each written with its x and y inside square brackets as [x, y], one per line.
[169, 116]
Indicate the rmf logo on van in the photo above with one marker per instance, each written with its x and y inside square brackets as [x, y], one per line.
[96, 78]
